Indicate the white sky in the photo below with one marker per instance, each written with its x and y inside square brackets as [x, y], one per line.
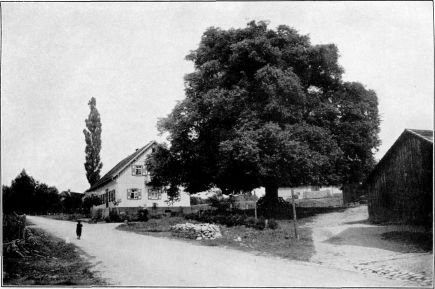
[130, 57]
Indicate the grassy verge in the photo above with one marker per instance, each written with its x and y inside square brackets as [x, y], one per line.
[67, 217]
[279, 242]
[48, 261]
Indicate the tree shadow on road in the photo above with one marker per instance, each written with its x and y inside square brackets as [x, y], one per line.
[381, 237]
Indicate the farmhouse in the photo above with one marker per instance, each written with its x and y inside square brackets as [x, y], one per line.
[399, 189]
[69, 194]
[126, 187]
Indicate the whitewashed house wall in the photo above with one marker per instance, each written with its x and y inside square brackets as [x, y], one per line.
[125, 180]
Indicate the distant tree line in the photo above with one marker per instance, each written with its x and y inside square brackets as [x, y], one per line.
[25, 195]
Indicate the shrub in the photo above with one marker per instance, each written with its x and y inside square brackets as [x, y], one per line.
[250, 222]
[156, 216]
[272, 224]
[114, 216]
[107, 219]
[123, 216]
[97, 214]
[278, 209]
[260, 224]
[142, 215]
[191, 216]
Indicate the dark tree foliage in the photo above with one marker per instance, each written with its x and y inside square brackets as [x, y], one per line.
[25, 195]
[71, 203]
[267, 108]
[92, 134]
[89, 202]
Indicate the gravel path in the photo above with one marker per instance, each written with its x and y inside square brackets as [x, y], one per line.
[125, 258]
[346, 240]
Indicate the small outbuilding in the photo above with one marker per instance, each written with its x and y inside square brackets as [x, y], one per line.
[400, 187]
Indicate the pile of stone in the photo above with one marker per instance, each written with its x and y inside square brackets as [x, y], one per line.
[196, 231]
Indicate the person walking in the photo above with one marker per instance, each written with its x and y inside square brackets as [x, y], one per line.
[79, 229]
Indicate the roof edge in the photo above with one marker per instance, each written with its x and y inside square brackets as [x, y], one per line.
[390, 151]
[143, 150]
[418, 135]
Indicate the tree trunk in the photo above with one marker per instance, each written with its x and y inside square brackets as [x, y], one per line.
[272, 193]
[270, 201]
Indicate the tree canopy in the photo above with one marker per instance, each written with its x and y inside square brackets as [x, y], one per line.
[265, 107]
[93, 164]
[25, 195]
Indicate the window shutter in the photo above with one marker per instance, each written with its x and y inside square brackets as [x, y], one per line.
[132, 170]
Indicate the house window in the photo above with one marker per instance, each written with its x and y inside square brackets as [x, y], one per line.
[154, 194]
[112, 196]
[136, 170]
[134, 194]
[315, 188]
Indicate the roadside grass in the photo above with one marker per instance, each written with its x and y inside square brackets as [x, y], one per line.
[50, 262]
[279, 242]
[67, 217]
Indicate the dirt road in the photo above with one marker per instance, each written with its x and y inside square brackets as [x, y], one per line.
[125, 258]
[346, 240]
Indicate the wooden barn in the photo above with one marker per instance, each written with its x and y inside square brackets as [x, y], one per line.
[399, 189]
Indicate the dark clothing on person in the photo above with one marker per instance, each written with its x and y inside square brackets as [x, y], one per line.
[79, 230]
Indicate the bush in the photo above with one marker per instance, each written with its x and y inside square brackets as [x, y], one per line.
[113, 216]
[142, 215]
[97, 214]
[231, 220]
[272, 224]
[274, 208]
[191, 216]
[107, 219]
[260, 224]
[123, 216]
[250, 222]
[157, 216]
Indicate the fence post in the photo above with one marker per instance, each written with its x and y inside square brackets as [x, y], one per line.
[294, 216]
[255, 210]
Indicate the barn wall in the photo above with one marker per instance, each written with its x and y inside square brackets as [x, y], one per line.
[400, 190]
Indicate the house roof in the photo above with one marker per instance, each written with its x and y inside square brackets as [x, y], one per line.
[71, 194]
[425, 135]
[119, 167]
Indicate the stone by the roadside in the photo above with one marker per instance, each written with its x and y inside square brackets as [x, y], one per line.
[196, 231]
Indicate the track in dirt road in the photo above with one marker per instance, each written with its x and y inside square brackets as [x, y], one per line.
[125, 258]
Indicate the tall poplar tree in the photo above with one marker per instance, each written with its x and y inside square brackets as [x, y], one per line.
[92, 134]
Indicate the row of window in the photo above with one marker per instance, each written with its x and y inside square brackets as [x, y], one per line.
[136, 194]
[139, 170]
[132, 194]
[109, 197]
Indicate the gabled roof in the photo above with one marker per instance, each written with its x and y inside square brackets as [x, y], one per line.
[71, 194]
[425, 135]
[110, 175]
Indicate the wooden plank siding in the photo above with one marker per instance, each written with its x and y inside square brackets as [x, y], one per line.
[399, 189]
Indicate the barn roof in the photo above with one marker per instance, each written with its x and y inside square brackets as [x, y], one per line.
[425, 135]
[119, 167]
